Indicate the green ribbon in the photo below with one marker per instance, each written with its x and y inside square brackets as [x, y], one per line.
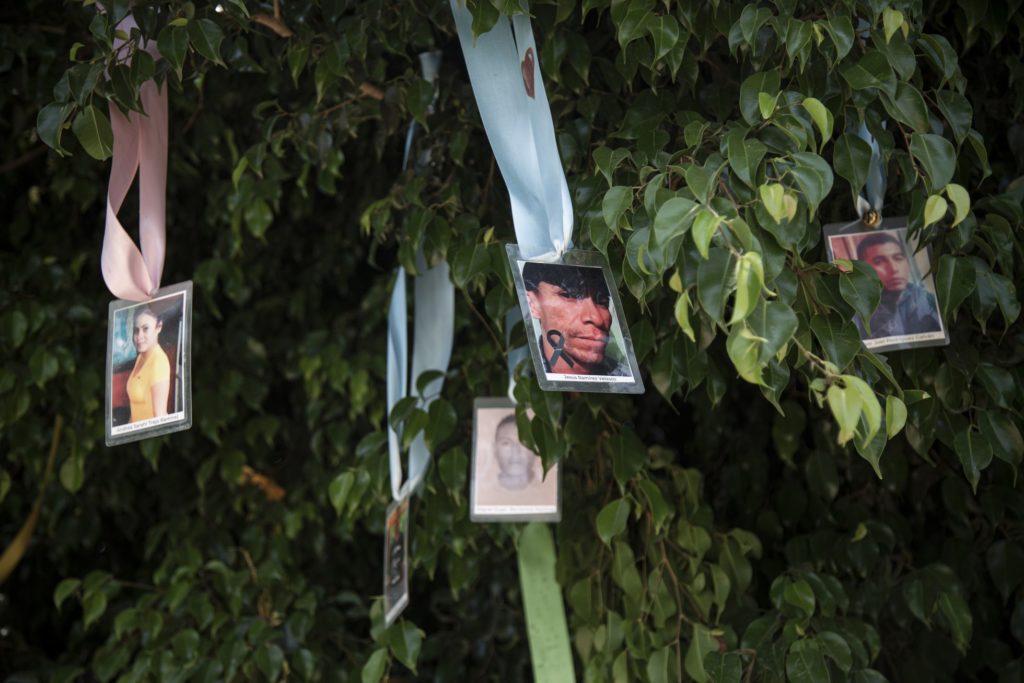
[545, 612]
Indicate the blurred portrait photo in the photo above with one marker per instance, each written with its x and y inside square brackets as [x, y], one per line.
[508, 481]
[908, 312]
[575, 328]
[147, 359]
[396, 560]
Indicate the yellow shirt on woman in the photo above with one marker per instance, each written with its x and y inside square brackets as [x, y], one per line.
[147, 372]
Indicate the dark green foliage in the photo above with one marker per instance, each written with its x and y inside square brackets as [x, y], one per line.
[783, 504]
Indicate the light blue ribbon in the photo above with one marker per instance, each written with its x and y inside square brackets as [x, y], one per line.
[433, 325]
[873, 194]
[520, 131]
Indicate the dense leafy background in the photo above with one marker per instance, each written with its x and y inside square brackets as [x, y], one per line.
[713, 529]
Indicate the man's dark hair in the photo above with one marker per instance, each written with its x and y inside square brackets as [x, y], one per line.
[878, 239]
[578, 281]
[507, 420]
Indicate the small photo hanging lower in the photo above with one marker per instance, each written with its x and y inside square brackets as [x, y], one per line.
[149, 366]
[396, 560]
[574, 324]
[508, 482]
[907, 315]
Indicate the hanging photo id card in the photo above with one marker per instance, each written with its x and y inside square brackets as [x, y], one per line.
[508, 482]
[574, 324]
[396, 560]
[907, 316]
[149, 366]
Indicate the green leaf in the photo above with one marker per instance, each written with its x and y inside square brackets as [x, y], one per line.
[628, 454]
[724, 667]
[1004, 436]
[615, 203]
[852, 159]
[406, 641]
[269, 658]
[766, 104]
[657, 665]
[936, 155]
[701, 180]
[441, 425]
[72, 473]
[92, 128]
[704, 227]
[799, 594]
[94, 604]
[714, 282]
[861, 288]
[673, 219]
[701, 644]
[975, 454]
[908, 107]
[837, 649]
[682, 314]
[956, 109]
[961, 202]
[611, 520]
[749, 281]
[1005, 561]
[821, 116]
[373, 670]
[892, 19]
[607, 160]
[895, 415]
[840, 28]
[50, 124]
[64, 590]
[744, 349]
[664, 30]
[813, 176]
[958, 618]
[934, 209]
[750, 90]
[954, 282]
[173, 44]
[298, 55]
[839, 339]
[772, 197]
[870, 406]
[43, 365]
[845, 404]
[339, 489]
[871, 72]
[805, 662]
[206, 38]
[775, 323]
[744, 155]
[185, 645]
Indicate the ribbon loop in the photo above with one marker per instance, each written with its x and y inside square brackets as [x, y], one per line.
[433, 328]
[870, 201]
[513, 105]
[140, 145]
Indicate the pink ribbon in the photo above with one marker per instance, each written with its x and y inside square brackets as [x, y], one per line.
[140, 144]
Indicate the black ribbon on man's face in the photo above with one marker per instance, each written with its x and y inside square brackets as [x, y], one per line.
[557, 341]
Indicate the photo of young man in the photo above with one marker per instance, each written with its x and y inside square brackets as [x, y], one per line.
[908, 313]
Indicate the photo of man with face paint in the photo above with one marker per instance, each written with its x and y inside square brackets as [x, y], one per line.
[508, 482]
[571, 304]
[908, 312]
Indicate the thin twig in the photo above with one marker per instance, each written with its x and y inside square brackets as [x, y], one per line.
[23, 159]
